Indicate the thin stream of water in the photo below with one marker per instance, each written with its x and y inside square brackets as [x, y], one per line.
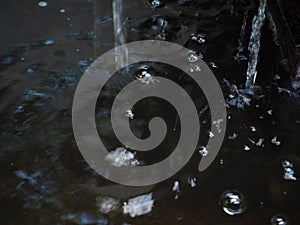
[254, 43]
[119, 34]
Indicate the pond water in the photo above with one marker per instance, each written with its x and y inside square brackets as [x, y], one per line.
[45, 48]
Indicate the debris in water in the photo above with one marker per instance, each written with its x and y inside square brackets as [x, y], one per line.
[139, 205]
[122, 157]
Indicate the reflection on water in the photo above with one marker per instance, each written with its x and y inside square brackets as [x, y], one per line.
[45, 180]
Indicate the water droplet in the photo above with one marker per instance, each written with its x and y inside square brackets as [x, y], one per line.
[155, 3]
[203, 151]
[129, 114]
[200, 38]
[279, 220]
[42, 4]
[233, 202]
[62, 10]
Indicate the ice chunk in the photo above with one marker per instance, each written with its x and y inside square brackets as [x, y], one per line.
[122, 157]
[192, 182]
[139, 205]
[107, 204]
[176, 189]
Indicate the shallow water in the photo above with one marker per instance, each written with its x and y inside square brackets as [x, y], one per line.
[45, 180]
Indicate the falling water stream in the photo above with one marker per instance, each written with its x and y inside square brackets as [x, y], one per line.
[254, 43]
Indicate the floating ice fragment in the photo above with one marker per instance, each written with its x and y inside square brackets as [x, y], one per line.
[260, 142]
[213, 65]
[200, 38]
[122, 157]
[217, 123]
[192, 182]
[107, 204]
[203, 151]
[193, 56]
[246, 148]
[155, 3]
[195, 69]
[176, 189]
[32, 179]
[288, 169]
[129, 114]
[42, 4]
[145, 75]
[139, 205]
[49, 41]
[275, 141]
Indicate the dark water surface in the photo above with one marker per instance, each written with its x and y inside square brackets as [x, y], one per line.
[45, 50]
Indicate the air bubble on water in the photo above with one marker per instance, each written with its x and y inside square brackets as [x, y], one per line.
[246, 148]
[176, 189]
[233, 202]
[139, 205]
[203, 151]
[200, 38]
[270, 112]
[62, 10]
[192, 182]
[129, 114]
[155, 3]
[275, 141]
[42, 4]
[279, 220]
[122, 157]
